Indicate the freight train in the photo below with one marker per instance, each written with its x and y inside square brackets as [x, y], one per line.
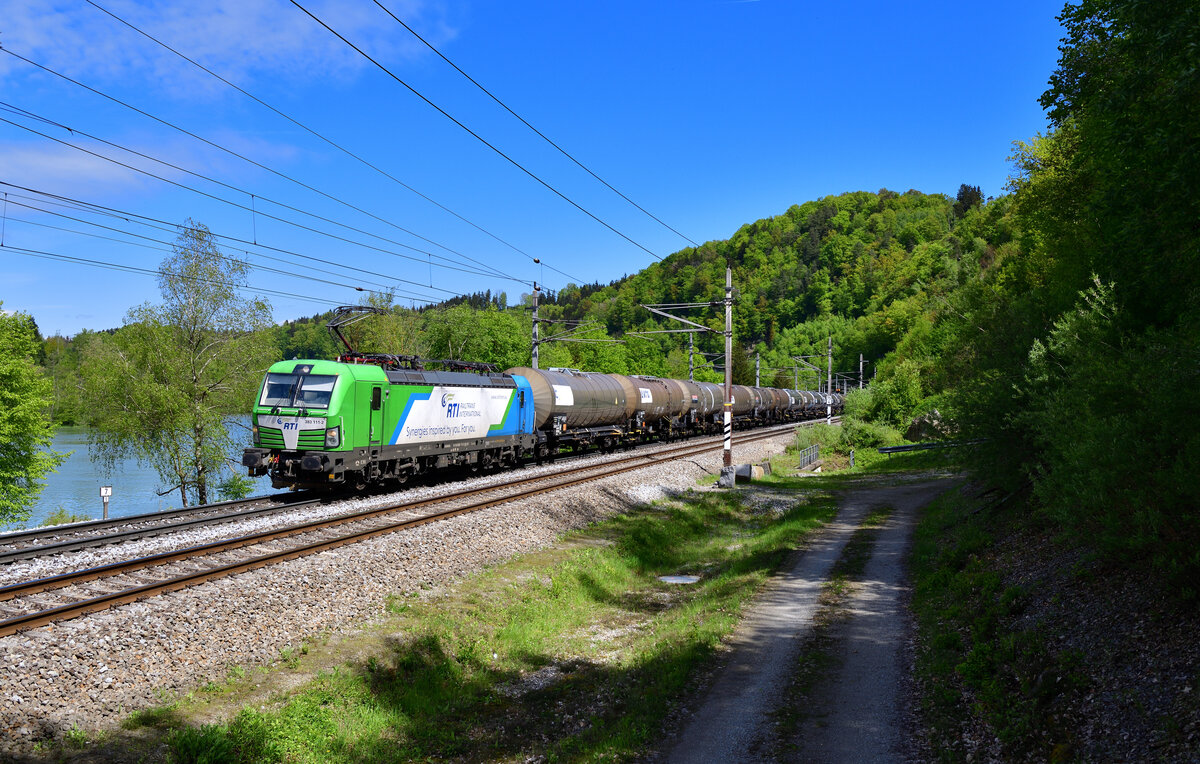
[371, 420]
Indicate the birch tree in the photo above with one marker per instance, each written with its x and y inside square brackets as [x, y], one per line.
[165, 387]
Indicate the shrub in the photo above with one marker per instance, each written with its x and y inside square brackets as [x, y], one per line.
[860, 434]
[1115, 451]
[235, 487]
[895, 397]
[61, 516]
[200, 745]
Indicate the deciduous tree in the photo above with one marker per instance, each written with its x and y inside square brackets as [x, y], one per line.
[25, 426]
[165, 386]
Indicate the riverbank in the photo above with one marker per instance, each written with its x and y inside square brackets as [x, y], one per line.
[75, 487]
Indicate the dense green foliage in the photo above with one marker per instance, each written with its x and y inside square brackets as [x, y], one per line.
[25, 427]
[1076, 354]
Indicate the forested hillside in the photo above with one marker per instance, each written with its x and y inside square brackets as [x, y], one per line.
[863, 267]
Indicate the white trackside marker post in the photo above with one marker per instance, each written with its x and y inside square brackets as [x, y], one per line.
[829, 386]
[727, 478]
[536, 289]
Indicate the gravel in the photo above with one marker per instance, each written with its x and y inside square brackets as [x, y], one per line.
[28, 570]
[91, 672]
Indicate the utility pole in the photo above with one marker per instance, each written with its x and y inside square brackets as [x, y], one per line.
[756, 368]
[829, 384]
[536, 289]
[860, 371]
[727, 471]
[691, 363]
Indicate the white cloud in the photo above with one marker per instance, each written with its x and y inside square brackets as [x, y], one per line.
[56, 167]
[239, 39]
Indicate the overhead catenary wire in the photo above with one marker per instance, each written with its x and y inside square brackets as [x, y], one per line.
[474, 134]
[329, 141]
[8, 107]
[231, 152]
[147, 271]
[90, 207]
[522, 120]
[229, 202]
[167, 247]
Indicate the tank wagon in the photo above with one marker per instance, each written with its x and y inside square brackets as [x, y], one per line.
[372, 420]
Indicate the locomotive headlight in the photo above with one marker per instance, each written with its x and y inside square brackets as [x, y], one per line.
[333, 437]
[254, 434]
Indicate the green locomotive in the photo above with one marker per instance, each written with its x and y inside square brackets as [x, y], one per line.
[331, 423]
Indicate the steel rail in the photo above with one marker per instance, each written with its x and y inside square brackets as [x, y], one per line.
[59, 530]
[113, 599]
[73, 578]
[43, 550]
[34, 551]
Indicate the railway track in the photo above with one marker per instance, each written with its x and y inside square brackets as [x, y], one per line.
[36, 603]
[41, 542]
[23, 545]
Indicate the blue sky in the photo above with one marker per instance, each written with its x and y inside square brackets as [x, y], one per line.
[707, 114]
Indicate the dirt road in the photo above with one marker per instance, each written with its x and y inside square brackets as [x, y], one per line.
[851, 709]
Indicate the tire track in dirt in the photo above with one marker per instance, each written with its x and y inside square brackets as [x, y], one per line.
[851, 711]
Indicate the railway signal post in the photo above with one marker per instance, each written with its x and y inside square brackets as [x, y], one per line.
[829, 385]
[727, 471]
[536, 290]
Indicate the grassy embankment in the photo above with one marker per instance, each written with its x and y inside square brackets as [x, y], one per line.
[577, 652]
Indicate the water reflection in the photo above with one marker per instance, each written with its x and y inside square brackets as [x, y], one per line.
[76, 486]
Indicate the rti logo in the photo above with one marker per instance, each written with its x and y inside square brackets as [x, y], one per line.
[450, 407]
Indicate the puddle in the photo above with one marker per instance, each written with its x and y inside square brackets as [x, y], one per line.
[679, 579]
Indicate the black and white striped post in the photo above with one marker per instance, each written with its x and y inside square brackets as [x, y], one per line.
[727, 476]
[536, 341]
[829, 386]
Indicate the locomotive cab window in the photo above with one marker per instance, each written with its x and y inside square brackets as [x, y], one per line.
[306, 391]
[279, 390]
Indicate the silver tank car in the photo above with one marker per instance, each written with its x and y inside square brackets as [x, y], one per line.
[583, 399]
[650, 395]
[745, 400]
[712, 398]
[811, 401]
[795, 402]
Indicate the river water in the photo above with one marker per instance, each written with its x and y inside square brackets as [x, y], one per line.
[135, 486]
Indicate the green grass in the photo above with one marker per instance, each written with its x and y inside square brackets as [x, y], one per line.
[864, 439]
[612, 646]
